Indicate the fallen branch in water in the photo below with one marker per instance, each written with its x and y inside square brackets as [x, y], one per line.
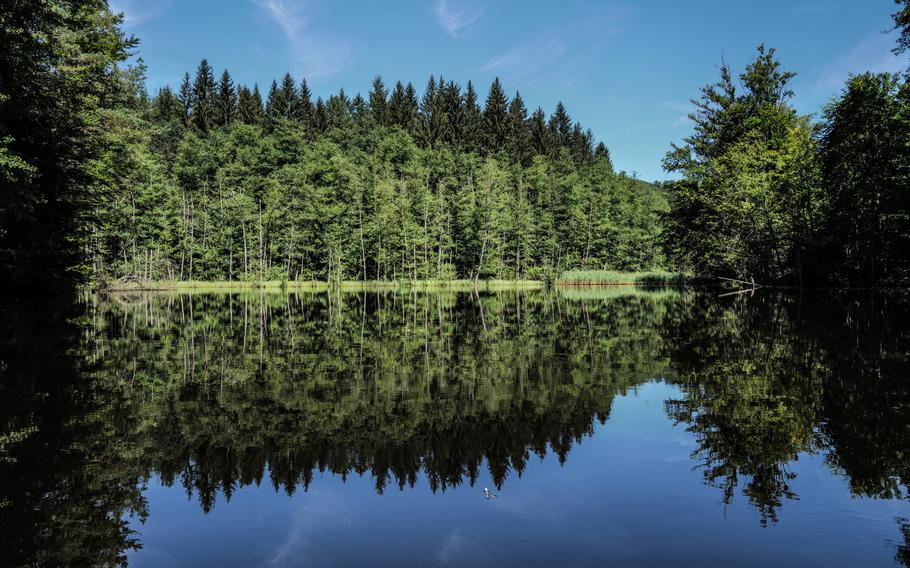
[750, 283]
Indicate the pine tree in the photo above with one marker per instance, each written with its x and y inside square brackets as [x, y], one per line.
[204, 112]
[287, 97]
[397, 106]
[429, 115]
[451, 107]
[185, 99]
[472, 123]
[249, 106]
[379, 104]
[226, 99]
[540, 135]
[495, 118]
[519, 144]
[360, 110]
[411, 108]
[305, 109]
[166, 106]
[338, 111]
[581, 145]
[560, 126]
[320, 116]
[258, 105]
[273, 103]
[601, 152]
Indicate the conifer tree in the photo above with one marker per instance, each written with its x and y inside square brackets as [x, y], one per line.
[204, 110]
[360, 109]
[560, 126]
[429, 115]
[320, 116]
[581, 145]
[166, 107]
[451, 107]
[495, 118]
[519, 145]
[185, 99]
[287, 98]
[338, 111]
[472, 124]
[542, 142]
[273, 103]
[397, 106]
[227, 100]
[379, 104]
[305, 108]
[411, 108]
[602, 153]
[249, 105]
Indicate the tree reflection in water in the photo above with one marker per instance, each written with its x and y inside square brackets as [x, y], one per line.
[219, 391]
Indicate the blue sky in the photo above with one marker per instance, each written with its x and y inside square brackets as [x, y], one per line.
[626, 69]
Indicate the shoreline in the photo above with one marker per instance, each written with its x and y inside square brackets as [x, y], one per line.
[353, 285]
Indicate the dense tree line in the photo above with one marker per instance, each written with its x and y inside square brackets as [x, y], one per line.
[219, 184]
[769, 193]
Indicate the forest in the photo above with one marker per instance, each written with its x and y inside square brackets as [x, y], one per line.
[211, 180]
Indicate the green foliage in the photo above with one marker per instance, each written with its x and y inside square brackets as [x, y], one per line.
[866, 167]
[57, 75]
[378, 189]
[749, 189]
[599, 277]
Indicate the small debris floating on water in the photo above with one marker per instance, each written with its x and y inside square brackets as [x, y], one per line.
[488, 495]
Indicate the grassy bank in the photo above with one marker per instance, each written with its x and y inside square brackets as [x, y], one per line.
[616, 278]
[567, 279]
[318, 285]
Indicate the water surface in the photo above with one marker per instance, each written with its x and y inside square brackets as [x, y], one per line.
[609, 426]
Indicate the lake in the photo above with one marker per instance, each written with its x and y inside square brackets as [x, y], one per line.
[577, 427]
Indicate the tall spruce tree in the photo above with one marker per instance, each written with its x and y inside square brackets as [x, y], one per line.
[429, 115]
[226, 100]
[496, 118]
[540, 136]
[560, 126]
[249, 105]
[472, 128]
[519, 145]
[185, 98]
[166, 106]
[273, 103]
[205, 108]
[305, 108]
[452, 107]
[288, 106]
[379, 103]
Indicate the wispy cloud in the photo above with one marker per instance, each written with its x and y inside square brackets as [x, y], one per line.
[683, 108]
[317, 56]
[547, 52]
[319, 514]
[872, 54]
[458, 550]
[136, 12]
[527, 57]
[456, 19]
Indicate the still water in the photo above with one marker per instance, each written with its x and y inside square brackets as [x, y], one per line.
[598, 427]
